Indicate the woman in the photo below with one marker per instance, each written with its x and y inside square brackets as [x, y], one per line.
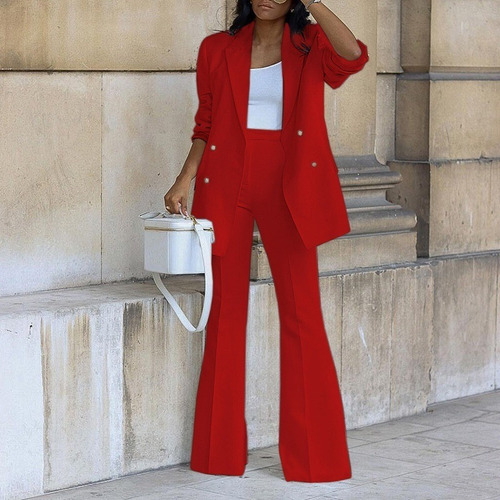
[267, 158]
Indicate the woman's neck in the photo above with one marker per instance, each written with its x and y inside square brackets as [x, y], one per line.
[268, 33]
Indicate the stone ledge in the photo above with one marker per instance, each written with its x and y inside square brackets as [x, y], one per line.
[99, 382]
[90, 295]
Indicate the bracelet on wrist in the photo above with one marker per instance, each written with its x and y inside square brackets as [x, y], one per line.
[310, 3]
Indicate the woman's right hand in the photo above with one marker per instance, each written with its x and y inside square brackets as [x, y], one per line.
[177, 196]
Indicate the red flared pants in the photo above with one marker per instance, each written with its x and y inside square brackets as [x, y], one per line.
[312, 433]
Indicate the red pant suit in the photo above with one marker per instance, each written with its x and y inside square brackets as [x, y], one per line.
[308, 207]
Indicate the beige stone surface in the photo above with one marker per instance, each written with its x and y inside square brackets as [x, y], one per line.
[105, 35]
[386, 118]
[22, 406]
[497, 341]
[350, 114]
[94, 364]
[230, 12]
[411, 340]
[147, 124]
[388, 36]
[464, 35]
[413, 193]
[415, 35]
[412, 120]
[82, 392]
[161, 366]
[331, 307]
[366, 345]
[464, 119]
[50, 152]
[465, 317]
[464, 207]
[350, 110]
[364, 251]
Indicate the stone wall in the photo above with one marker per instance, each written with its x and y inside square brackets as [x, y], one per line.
[97, 104]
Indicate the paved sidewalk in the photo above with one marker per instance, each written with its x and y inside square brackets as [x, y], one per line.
[452, 451]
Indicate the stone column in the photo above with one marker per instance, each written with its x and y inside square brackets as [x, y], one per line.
[448, 124]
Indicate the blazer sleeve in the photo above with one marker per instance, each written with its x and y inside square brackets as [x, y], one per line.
[337, 69]
[203, 116]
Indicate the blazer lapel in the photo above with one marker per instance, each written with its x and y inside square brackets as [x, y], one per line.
[238, 57]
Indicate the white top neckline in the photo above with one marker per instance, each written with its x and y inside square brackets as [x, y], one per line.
[265, 67]
[265, 98]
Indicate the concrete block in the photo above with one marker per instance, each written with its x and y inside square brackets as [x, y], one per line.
[350, 113]
[465, 207]
[366, 351]
[22, 399]
[411, 340]
[465, 119]
[161, 366]
[464, 35]
[82, 379]
[465, 317]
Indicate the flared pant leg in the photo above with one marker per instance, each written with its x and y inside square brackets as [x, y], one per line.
[219, 443]
[312, 433]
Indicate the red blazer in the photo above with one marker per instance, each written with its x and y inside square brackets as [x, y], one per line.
[311, 183]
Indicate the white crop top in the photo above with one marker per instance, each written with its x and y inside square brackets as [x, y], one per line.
[265, 100]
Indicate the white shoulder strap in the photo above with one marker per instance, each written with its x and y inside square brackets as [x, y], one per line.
[207, 302]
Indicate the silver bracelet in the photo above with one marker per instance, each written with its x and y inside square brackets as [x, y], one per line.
[310, 3]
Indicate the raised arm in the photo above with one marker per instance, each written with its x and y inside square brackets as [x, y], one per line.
[342, 53]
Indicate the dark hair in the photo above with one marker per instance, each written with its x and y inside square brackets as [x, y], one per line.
[297, 20]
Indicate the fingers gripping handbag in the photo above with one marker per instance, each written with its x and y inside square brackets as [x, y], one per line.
[179, 244]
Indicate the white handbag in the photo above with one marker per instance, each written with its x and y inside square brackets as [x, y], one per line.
[179, 244]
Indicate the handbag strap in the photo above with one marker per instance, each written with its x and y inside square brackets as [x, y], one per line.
[207, 301]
